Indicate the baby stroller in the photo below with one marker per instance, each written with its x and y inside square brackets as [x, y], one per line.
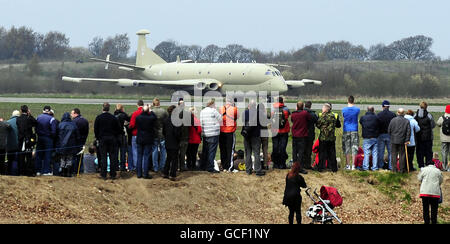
[322, 210]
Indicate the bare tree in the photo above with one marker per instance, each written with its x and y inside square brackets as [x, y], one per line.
[414, 48]
[54, 45]
[236, 53]
[195, 52]
[211, 53]
[167, 50]
[19, 43]
[358, 53]
[381, 52]
[312, 52]
[338, 50]
[96, 46]
[122, 44]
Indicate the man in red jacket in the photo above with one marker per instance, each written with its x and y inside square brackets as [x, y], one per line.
[132, 126]
[300, 120]
[195, 138]
[280, 134]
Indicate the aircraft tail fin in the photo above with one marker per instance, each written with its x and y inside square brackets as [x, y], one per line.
[145, 56]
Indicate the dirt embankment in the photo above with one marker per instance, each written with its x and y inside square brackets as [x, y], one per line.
[200, 197]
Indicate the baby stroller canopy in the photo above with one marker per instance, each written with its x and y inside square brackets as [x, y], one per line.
[331, 194]
[322, 210]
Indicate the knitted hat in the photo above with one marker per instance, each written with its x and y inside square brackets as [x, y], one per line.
[447, 109]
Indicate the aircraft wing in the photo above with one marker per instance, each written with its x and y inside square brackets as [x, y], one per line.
[130, 66]
[279, 65]
[301, 83]
[210, 84]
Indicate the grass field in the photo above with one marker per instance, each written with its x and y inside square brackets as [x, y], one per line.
[91, 111]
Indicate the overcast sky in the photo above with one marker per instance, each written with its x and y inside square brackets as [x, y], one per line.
[266, 25]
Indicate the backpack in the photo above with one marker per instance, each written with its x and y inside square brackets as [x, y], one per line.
[279, 117]
[446, 126]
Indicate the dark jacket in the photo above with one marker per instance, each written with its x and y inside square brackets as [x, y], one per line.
[145, 131]
[172, 134]
[186, 124]
[312, 123]
[25, 124]
[385, 118]
[5, 128]
[370, 125]
[106, 126]
[69, 136]
[122, 117]
[292, 197]
[252, 125]
[46, 125]
[13, 139]
[300, 120]
[399, 130]
[83, 128]
[426, 124]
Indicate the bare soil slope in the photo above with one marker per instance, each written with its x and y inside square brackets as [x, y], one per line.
[200, 197]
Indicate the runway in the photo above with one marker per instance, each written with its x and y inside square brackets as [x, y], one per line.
[292, 106]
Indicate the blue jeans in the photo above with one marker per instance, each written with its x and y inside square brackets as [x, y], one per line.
[384, 141]
[211, 144]
[142, 160]
[370, 147]
[135, 154]
[131, 165]
[44, 154]
[159, 152]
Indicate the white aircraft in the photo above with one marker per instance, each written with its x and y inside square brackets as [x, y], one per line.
[204, 77]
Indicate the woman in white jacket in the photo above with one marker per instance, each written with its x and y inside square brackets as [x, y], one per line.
[430, 191]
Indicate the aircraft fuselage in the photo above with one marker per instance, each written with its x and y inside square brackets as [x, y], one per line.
[232, 76]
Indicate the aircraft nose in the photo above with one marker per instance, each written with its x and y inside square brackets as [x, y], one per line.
[279, 84]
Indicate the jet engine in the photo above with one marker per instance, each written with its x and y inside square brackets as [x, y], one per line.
[213, 86]
[127, 83]
[200, 86]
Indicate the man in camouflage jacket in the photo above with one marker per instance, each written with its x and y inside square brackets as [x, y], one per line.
[327, 124]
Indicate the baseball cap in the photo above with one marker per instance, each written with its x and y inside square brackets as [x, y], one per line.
[386, 103]
[47, 109]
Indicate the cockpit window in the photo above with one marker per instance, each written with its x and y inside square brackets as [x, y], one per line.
[268, 72]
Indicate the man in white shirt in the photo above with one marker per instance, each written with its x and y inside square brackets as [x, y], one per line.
[210, 121]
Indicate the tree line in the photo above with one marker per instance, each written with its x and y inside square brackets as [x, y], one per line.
[342, 66]
[415, 48]
[22, 43]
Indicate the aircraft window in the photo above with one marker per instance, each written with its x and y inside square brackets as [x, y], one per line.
[178, 72]
[243, 73]
[274, 74]
[268, 73]
[200, 73]
[229, 73]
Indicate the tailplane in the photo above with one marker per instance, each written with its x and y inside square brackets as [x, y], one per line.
[145, 56]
